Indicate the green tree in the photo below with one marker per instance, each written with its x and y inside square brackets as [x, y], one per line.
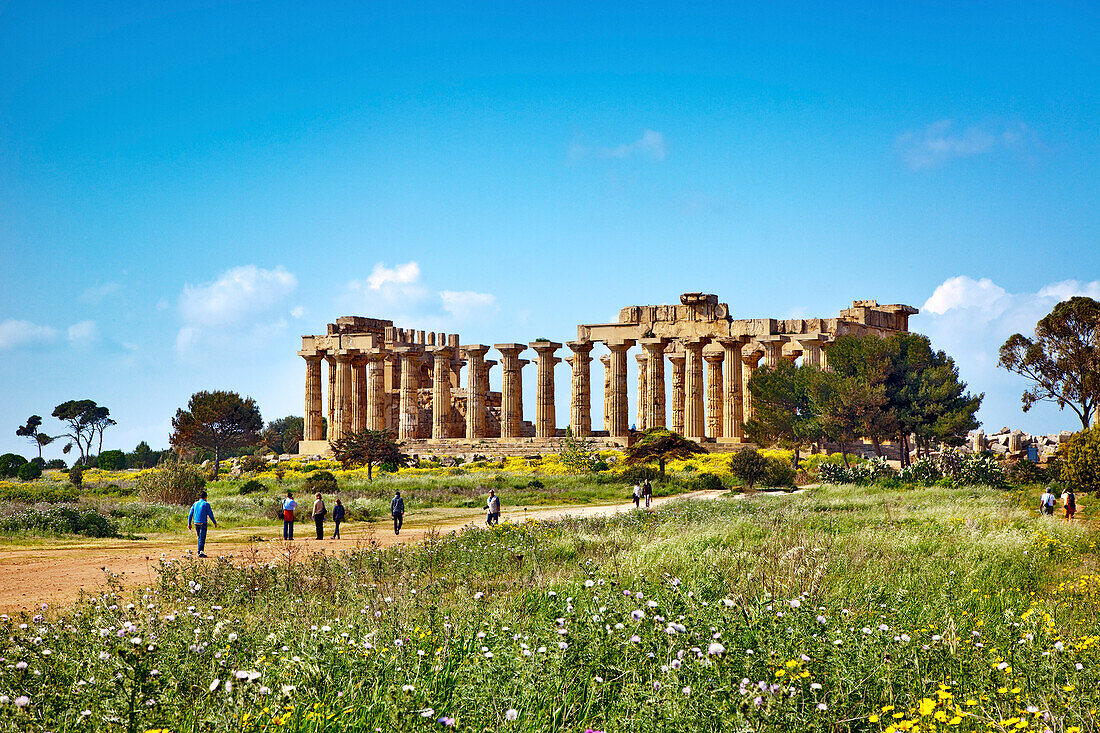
[367, 447]
[847, 407]
[282, 435]
[31, 432]
[783, 412]
[750, 466]
[217, 421]
[1063, 360]
[867, 360]
[660, 444]
[142, 457]
[82, 418]
[111, 460]
[10, 464]
[578, 454]
[1080, 466]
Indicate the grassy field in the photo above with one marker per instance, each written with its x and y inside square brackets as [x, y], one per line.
[838, 608]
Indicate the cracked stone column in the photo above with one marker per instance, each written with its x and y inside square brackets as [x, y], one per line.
[677, 360]
[655, 366]
[619, 403]
[344, 399]
[376, 391]
[475, 395]
[330, 364]
[773, 349]
[313, 428]
[359, 393]
[580, 402]
[715, 404]
[733, 414]
[441, 391]
[811, 349]
[606, 361]
[408, 411]
[545, 415]
[694, 417]
[643, 388]
[749, 362]
[511, 391]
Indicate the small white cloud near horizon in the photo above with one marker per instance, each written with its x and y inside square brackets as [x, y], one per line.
[404, 274]
[15, 333]
[964, 292]
[235, 295]
[83, 333]
[651, 146]
[940, 142]
[400, 293]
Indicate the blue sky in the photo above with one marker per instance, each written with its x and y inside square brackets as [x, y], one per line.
[186, 188]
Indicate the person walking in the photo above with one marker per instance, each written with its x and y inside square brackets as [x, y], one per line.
[289, 505]
[397, 511]
[1069, 501]
[492, 509]
[200, 512]
[637, 495]
[319, 513]
[647, 492]
[337, 517]
[1046, 502]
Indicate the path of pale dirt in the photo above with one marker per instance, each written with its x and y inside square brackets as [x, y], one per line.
[56, 572]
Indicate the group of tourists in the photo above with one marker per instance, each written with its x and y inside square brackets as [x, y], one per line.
[1069, 502]
[643, 491]
[319, 514]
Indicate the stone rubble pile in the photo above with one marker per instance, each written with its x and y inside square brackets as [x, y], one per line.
[1016, 443]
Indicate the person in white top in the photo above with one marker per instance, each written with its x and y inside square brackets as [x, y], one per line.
[1046, 502]
[289, 505]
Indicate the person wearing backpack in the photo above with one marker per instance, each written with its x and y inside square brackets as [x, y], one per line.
[319, 513]
[1069, 501]
[337, 517]
[1046, 502]
[397, 511]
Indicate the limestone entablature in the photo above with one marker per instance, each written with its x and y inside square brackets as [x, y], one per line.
[384, 377]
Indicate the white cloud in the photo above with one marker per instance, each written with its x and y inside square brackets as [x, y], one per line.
[970, 319]
[651, 145]
[83, 333]
[237, 294]
[400, 275]
[98, 293]
[15, 333]
[466, 305]
[940, 142]
[297, 311]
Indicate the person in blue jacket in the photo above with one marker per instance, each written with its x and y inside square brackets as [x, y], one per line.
[200, 512]
[337, 517]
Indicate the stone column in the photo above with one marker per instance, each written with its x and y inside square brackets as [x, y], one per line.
[408, 411]
[344, 399]
[376, 391]
[606, 361]
[811, 350]
[715, 402]
[580, 402]
[330, 363]
[312, 429]
[511, 391]
[475, 395]
[733, 415]
[750, 361]
[359, 393]
[545, 415]
[619, 403]
[655, 366]
[677, 360]
[643, 389]
[441, 391]
[773, 349]
[694, 417]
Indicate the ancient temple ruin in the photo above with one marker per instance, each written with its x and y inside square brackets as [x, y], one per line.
[387, 378]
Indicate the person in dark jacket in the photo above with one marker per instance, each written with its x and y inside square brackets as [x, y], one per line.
[319, 513]
[397, 511]
[337, 517]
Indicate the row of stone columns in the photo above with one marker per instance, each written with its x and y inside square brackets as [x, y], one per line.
[357, 387]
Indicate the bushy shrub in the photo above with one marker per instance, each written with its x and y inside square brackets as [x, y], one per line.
[974, 469]
[33, 494]
[10, 463]
[76, 475]
[112, 460]
[535, 484]
[174, 482]
[1023, 472]
[320, 482]
[1081, 467]
[29, 471]
[252, 464]
[250, 486]
[863, 473]
[708, 482]
[922, 472]
[57, 464]
[60, 520]
[834, 473]
[750, 466]
[779, 474]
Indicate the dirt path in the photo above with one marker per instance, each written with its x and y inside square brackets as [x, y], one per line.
[56, 573]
